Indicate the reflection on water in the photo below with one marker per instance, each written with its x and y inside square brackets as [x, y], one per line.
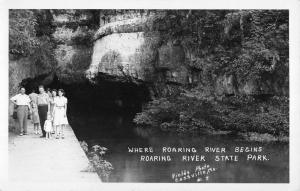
[117, 133]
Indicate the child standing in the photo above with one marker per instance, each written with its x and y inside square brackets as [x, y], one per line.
[35, 117]
[48, 127]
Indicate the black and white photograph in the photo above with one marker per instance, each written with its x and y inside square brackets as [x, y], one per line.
[185, 96]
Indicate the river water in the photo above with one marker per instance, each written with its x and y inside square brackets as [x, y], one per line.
[115, 131]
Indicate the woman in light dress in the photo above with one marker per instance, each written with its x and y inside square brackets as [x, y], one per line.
[59, 114]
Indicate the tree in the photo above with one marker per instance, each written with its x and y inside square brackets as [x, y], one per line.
[22, 33]
[30, 36]
[249, 44]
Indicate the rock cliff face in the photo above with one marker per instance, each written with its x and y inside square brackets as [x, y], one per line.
[74, 46]
[116, 53]
[18, 70]
[131, 44]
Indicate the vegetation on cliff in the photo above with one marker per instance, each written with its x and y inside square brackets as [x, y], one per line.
[249, 45]
[30, 36]
[31, 48]
[50, 41]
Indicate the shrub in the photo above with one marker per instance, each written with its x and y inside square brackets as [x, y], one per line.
[156, 112]
[97, 162]
[238, 114]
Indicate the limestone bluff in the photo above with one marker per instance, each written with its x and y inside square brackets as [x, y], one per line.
[137, 44]
[130, 45]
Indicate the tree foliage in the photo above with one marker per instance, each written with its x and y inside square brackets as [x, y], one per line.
[30, 36]
[250, 44]
[22, 32]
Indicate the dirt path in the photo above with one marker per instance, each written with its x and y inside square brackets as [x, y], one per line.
[41, 164]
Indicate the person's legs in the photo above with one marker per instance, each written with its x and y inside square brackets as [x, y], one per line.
[53, 128]
[42, 110]
[62, 131]
[34, 128]
[56, 131]
[42, 121]
[39, 127]
[20, 114]
[25, 120]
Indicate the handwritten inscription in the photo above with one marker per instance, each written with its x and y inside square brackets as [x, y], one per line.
[200, 173]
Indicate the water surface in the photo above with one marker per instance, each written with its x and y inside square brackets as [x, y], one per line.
[116, 131]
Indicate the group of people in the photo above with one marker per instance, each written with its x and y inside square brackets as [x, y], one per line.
[47, 110]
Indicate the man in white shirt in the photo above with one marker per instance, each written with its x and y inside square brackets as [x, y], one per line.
[22, 101]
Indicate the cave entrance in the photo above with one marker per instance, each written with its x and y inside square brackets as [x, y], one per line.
[99, 110]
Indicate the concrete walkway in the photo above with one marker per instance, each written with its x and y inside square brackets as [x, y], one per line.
[48, 164]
